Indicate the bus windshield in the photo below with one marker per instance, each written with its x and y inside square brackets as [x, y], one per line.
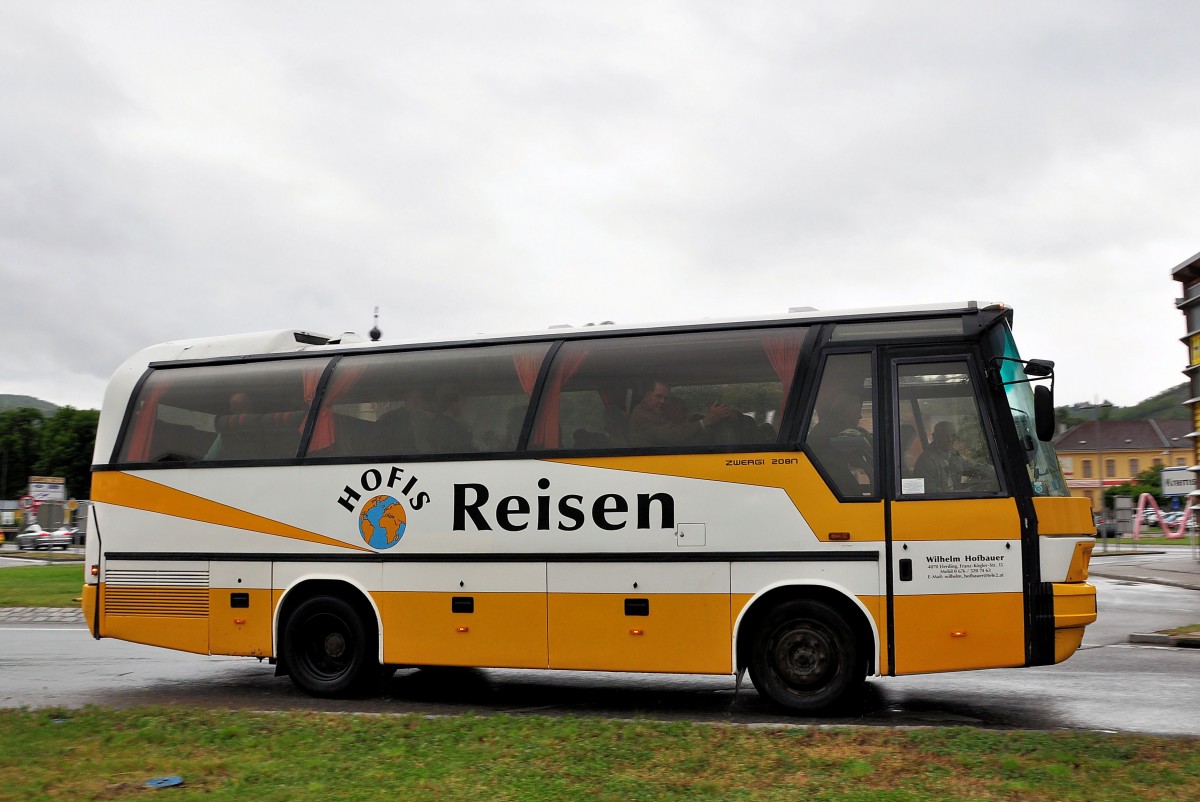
[1041, 460]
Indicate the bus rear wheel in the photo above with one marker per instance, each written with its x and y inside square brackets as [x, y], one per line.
[328, 649]
[805, 657]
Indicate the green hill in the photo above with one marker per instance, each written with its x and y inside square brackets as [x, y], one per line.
[1167, 405]
[8, 402]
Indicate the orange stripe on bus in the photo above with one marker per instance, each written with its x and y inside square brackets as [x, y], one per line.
[123, 490]
[793, 474]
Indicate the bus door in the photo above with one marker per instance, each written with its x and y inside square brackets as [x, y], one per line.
[954, 532]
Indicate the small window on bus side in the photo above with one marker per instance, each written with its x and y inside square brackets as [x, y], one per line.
[245, 411]
[942, 445]
[668, 391]
[841, 432]
[448, 401]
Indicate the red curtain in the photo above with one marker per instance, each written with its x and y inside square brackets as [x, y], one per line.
[545, 431]
[345, 376]
[783, 351]
[528, 362]
[142, 435]
[312, 377]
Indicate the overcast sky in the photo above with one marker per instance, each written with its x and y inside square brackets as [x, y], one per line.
[177, 170]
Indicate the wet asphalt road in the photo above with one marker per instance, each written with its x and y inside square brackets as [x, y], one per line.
[1108, 685]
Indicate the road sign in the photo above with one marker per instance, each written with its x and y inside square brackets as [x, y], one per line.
[28, 502]
[1178, 481]
[48, 488]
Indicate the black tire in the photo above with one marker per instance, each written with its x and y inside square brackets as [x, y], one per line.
[328, 649]
[805, 657]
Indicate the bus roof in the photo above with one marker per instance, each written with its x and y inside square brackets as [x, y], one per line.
[287, 341]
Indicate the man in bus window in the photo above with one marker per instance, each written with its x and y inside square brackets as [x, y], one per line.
[652, 424]
[843, 447]
[450, 434]
[942, 466]
[239, 405]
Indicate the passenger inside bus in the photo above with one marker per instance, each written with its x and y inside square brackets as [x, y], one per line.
[407, 429]
[239, 405]
[450, 434]
[395, 433]
[658, 420]
[944, 469]
[843, 447]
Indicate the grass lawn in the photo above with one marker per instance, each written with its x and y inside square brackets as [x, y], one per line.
[41, 585]
[111, 754]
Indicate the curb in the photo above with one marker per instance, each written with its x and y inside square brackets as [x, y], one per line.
[41, 615]
[1158, 639]
[29, 556]
[1186, 584]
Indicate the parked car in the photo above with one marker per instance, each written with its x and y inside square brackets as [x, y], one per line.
[1149, 517]
[35, 537]
[1105, 527]
[29, 530]
[76, 534]
[1173, 518]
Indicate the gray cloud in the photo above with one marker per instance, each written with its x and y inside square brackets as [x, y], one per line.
[178, 170]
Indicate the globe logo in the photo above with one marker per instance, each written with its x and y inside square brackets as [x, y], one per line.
[381, 522]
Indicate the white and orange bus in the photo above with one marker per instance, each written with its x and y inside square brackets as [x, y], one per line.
[815, 497]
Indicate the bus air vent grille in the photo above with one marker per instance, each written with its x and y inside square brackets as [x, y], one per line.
[165, 594]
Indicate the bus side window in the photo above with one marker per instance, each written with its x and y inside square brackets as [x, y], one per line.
[680, 391]
[445, 401]
[841, 433]
[251, 411]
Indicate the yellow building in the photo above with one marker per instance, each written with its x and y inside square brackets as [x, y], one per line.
[1100, 454]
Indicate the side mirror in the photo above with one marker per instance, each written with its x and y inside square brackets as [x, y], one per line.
[1043, 412]
[1039, 368]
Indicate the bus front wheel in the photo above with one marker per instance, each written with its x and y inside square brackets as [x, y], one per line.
[805, 657]
[328, 648]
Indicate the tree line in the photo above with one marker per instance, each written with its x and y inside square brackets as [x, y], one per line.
[1148, 481]
[33, 443]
